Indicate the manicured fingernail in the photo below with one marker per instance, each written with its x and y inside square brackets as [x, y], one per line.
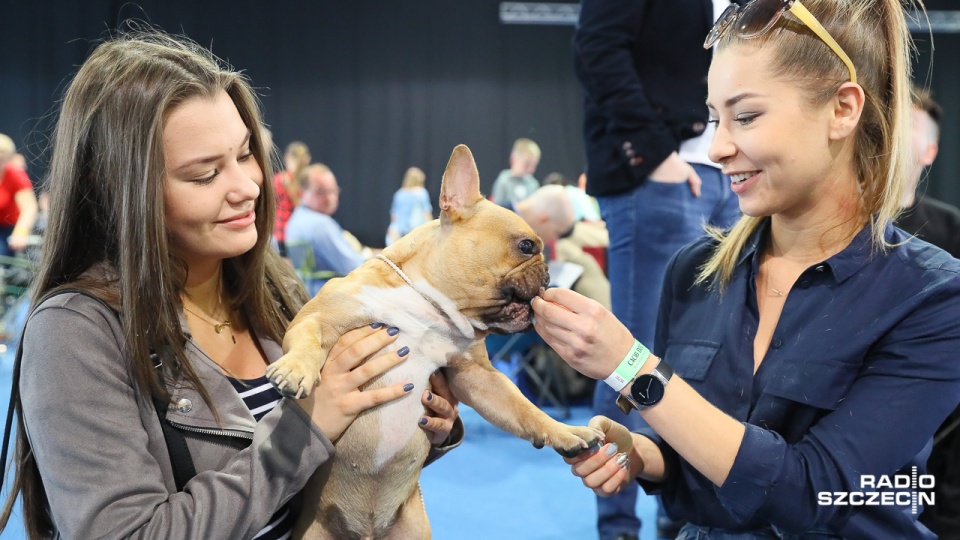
[423, 421]
[429, 396]
[376, 325]
[393, 330]
[622, 459]
[403, 351]
[612, 449]
[408, 387]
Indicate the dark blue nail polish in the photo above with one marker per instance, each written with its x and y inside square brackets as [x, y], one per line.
[429, 396]
[408, 387]
[376, 325]
[393, 330]
[423, 421]
[403, 351]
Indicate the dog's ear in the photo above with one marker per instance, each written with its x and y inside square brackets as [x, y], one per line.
[460, 187]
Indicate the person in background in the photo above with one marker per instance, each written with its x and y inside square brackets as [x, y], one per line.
[410, 207]
[517, 182]
[925, 217]
[938, 223]
[550, 214]
[18, 202]
[585, 207]
[643, 71]
[312, 223]
[286, 184]
[811, 349]
[172, 303]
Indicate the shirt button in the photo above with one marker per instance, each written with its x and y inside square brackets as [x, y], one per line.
[184, 405]
[819, 268]
[776, 343]
[805, 284]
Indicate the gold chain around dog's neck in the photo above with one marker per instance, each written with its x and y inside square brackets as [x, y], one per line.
[462, 323]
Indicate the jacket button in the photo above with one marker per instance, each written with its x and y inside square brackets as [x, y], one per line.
[819, 268]
[184, 405]
[777, 343]
[804, 284]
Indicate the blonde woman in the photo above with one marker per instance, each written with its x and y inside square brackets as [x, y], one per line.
[411, 205]
[810, 350]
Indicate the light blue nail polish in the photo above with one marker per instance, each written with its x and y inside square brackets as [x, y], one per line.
[403, 351]
[376, 325]
[393, 330]
[612, 449]
[423, 421]
[408, 387]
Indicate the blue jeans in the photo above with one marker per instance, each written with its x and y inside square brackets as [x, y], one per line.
[647, 226]
[693, 532]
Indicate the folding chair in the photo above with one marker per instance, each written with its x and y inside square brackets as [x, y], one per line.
[300, 253]
[529, 350]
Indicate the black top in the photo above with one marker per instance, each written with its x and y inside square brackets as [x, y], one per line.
[935, 222]
[643, 70]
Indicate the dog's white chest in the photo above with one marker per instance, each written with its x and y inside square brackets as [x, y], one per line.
[432, 338]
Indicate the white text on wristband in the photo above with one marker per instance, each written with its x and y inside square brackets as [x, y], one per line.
[629, 366]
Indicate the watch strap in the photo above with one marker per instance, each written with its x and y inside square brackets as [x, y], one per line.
[663, 371]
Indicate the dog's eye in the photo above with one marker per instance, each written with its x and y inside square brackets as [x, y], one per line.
[527, 247]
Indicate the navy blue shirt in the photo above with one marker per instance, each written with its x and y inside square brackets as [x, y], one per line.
[862, 368]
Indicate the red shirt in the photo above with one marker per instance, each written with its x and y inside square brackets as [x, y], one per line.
[284, 206]
[14, 180]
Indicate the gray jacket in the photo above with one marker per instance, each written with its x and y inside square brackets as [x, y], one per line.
[101, 452]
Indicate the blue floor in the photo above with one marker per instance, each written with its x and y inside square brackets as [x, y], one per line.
[493, 486]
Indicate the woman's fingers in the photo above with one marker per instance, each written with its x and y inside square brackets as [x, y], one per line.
[361, 401]
[357, 345]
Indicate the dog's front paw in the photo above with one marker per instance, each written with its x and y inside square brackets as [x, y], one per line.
[294, 376]
[569, 441]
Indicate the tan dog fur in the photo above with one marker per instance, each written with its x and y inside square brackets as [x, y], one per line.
[473, 271]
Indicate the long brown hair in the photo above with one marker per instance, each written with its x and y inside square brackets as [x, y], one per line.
[875, 35]
[107, 232]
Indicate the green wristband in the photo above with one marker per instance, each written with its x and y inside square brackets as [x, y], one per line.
[631, 364]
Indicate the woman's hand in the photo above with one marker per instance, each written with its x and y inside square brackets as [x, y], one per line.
[584, 333]
[337, 400]
[608, 470]
[441, 410]
[675, 170]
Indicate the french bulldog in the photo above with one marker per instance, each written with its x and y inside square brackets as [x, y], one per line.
[445, 285]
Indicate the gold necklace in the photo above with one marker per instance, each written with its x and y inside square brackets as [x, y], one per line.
[217, 327]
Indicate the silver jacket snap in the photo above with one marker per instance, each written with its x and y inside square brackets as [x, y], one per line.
[184, 405]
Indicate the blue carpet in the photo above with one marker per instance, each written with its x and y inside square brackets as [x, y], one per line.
[493, 486]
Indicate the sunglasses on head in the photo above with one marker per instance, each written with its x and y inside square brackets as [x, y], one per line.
[758, 16]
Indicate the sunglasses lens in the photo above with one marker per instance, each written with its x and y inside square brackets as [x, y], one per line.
[720, 27]
[758, 16]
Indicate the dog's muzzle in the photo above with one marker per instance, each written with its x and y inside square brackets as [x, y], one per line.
[517, 290]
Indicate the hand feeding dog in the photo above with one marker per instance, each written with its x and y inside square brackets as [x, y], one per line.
[445, 285]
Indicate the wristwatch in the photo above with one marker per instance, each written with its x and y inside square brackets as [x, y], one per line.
[647, 389]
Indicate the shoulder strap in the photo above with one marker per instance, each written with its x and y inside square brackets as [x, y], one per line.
[180, 460]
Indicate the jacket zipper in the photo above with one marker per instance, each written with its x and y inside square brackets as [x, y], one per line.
[216, 432]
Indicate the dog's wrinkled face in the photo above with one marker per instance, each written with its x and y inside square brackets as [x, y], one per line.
[490, 262]
[496, 266]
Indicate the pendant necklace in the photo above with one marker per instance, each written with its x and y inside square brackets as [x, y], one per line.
[217, 327]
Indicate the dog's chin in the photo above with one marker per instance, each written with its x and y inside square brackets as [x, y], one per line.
[514, 317]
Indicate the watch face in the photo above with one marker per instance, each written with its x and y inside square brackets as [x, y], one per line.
[647, 390]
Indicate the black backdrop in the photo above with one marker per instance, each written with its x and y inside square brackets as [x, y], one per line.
[371, 86]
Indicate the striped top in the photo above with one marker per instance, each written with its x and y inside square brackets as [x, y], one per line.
[261, 397]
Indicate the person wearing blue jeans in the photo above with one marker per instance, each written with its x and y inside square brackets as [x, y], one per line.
[647, 225]
[643, 70]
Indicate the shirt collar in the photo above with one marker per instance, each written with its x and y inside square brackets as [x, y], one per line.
[844, 264]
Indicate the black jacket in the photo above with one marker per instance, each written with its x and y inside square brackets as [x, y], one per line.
[644, 73]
